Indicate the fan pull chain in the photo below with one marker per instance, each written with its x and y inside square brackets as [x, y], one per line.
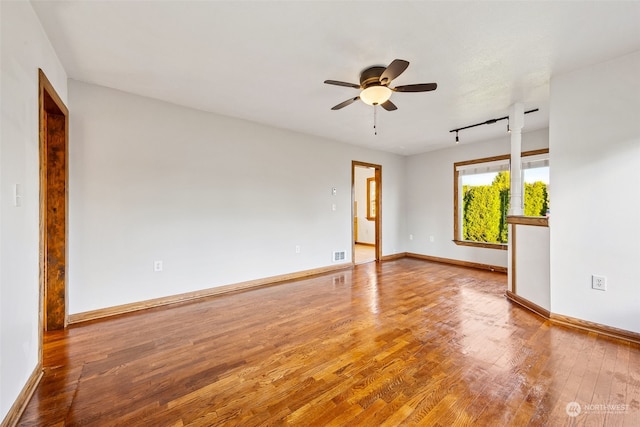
[375, 119]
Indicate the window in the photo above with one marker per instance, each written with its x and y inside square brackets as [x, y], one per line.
[535, 176]
[371, 199]
[482, 197]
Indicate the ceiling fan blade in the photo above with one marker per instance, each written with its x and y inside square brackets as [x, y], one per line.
[389, 106]
[338, 83]
[345, 103]
[420, 87]
[394, 69]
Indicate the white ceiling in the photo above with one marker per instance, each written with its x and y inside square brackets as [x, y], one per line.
[266, 61]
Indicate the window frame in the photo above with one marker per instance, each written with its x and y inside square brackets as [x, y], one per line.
[371, 198]
[457, 217]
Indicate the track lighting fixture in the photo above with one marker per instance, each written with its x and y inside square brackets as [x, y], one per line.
[488, 122]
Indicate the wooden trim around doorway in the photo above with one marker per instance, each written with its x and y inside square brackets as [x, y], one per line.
[54, 174]
[378, 218]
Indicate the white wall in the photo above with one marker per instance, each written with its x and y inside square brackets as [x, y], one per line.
[429, 195]
[218, 200]
[594, 137]
[24, 48]
[366, 228]
[532, 264]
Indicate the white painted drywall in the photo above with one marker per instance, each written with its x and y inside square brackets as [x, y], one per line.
[594, 138]
[532, 264]
[24, 48]
[218, 200]
[366, 228]
[429, 195]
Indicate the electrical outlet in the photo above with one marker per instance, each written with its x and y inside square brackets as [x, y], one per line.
[157, 266]
[599, 282]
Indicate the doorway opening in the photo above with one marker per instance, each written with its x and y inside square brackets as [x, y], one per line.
[54, 132]
[366, 201]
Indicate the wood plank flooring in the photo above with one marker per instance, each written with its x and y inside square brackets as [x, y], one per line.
[405, 342]
[364, 253]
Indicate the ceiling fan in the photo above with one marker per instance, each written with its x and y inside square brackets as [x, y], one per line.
[374, 85]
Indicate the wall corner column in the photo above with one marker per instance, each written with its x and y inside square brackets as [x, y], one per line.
[516, 122]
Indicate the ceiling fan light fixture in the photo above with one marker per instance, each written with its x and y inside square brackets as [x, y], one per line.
[375, 95]
[374, 85]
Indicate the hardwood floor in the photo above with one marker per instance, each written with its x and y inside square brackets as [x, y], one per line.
[405, 342]
[364, 253]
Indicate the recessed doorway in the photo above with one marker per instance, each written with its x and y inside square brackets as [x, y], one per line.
[366, 184]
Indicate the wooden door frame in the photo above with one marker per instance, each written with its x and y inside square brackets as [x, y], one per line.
[378, 220]
[53, 134]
